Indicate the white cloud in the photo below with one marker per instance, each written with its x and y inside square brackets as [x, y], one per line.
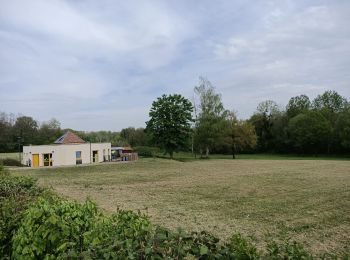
[83, 61]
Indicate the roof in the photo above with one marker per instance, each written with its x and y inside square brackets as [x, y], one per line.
[122, 148]
[69, 138]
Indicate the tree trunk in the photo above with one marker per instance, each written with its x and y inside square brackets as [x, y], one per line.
[233, 151]
[207, 152]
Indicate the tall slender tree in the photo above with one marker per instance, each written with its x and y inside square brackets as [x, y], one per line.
[209, 127]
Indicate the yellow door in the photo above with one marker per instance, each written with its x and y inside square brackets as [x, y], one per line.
[35, 160]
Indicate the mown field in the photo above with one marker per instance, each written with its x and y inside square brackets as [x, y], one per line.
[305, 200]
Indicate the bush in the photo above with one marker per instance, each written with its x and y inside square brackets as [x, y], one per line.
[16, 194]
[10, 162]
[54, 228]
[147, 151]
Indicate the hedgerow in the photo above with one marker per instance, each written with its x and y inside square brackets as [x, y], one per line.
[36, 224]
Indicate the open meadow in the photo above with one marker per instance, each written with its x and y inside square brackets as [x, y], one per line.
[305, 200]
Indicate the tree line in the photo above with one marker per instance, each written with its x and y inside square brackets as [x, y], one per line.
[320, 126]
[16, 131]
[203, 126]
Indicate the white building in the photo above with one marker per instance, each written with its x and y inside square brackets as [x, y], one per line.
[69, 149]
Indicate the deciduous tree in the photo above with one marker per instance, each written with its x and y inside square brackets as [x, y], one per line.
[210, 119]
[170, 122]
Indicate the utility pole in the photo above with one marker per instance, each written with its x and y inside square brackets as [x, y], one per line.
[19, 148]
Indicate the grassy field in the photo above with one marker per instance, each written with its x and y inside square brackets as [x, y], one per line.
[186, 156]
[9, 155]
[306, 200]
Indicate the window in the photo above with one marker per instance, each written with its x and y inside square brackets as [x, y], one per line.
[47, 159]
[78, 159]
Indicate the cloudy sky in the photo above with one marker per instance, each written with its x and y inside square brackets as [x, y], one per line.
[99, 64]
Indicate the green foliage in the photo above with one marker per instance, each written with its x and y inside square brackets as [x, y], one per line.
[309, 132]
[169, 124]
[16, 193]
[297, 105]
[330, 101]
[210, 117]
[147, 151]
[342, 129]
[287, 250]
[240, 248]
[135, 136]
[53, 228]
[239, 134]
[10, 162]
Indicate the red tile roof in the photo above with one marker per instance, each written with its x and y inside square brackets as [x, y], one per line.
[69, 138]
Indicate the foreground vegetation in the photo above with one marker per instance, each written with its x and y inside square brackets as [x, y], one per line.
[305, 200]
[35, 223]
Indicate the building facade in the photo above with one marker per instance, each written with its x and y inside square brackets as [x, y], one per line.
[67, 150]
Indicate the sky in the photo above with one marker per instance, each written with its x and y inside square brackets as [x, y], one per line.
[99, 65]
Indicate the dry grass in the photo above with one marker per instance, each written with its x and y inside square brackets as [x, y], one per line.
[306, 200]
[9, 156]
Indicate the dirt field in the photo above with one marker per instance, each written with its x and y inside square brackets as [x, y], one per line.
[306, 200]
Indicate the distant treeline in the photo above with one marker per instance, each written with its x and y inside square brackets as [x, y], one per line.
[304, 126]
[320, 126]
[16, 131]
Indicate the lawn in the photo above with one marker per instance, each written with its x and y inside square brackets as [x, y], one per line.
[306, 200]
[9, 156]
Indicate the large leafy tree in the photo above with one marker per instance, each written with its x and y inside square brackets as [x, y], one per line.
[240, 134]
[297, 105]
[26, 129]
[210, 117]
[170, 122]
[330, 102]
[342, 129]
[134, 136]
[309, 132]
[331, 105]
[263, 120]
[49, 131]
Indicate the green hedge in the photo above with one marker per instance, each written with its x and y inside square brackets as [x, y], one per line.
[39, 225]
[10, 162]
[147, 151]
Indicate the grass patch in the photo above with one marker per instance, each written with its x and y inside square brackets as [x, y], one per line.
[14, 156]
[306, 200]
[186, 156]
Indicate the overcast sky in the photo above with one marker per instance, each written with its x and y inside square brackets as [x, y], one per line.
[98, 65]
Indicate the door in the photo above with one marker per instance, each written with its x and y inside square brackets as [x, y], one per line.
[35, 160]
[94, 156]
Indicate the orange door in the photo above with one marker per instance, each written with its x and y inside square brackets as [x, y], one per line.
[35, 160]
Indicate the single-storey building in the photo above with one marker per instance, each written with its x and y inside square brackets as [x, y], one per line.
[69, 149]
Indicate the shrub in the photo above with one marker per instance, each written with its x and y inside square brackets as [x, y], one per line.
[53, 228]
[10, 162]
[147, 151]
[16, 193]
[287, 250]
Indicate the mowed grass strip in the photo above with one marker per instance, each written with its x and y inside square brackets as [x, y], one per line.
[306, 200]
[9, 156]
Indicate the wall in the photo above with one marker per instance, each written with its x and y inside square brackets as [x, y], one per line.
[64, 154]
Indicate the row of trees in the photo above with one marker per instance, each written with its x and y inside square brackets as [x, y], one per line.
[203, 125]
[175, 124]
[24, 130]
[304, 126]
[321, 126]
